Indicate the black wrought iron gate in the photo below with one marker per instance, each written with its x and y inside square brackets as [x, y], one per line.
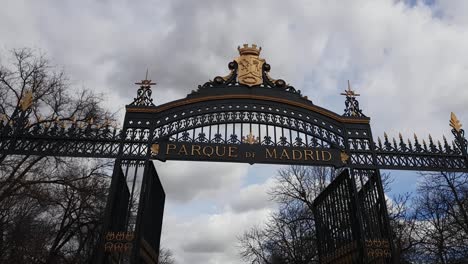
[351, 220]
[246, 116]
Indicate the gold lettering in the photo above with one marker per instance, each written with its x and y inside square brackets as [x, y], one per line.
[170, 147]
[269, 154]
[224, 151]
[183, 149]
[248, 154]
[317, 155]
[294, 152]
[308, 153]
[323, 155]
[208, 154]
[231, 152]
[196, 148]
[284, 154]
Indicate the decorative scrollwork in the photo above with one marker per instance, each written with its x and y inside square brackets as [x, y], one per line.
[144, 93]
[249, 70]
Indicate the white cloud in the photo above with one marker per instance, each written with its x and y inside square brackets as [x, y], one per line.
[209, 238]
[253, 197]
[185, 180]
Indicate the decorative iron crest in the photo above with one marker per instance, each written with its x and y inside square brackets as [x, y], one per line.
[144, 93]
[250, 70]
[352, 105]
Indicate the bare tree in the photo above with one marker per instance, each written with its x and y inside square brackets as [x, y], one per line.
[442, 206]
[165, 256]
[50, 207]
[289, 235]
[28, 76]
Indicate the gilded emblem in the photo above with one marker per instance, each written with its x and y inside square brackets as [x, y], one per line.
[154, 149]
[250, 139]
[344, 157]
[249, 65]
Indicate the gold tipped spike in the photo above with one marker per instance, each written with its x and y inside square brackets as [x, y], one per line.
[26, 101]
[385, 135]
[454, 122]
[349, 91]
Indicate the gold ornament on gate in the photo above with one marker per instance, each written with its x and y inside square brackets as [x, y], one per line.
[344, 157]
[454, 122]
[250, 66]
[155, 149]
[250, 139]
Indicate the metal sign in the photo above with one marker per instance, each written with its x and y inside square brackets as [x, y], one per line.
[249, 153]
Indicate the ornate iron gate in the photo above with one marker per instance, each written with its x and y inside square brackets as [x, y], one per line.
[351, 221]
[246, 116]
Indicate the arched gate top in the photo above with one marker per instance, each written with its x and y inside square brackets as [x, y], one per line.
[248, 79]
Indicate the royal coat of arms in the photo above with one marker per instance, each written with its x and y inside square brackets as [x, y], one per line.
[250, 66]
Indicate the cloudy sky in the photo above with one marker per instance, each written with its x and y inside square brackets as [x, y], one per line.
[407, 59]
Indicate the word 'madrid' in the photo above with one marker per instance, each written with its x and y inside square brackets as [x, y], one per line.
[248, 153]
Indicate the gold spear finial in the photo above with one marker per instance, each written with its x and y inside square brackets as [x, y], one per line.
[454, 122]
[26, 101]
[145, 83]
[349, 92]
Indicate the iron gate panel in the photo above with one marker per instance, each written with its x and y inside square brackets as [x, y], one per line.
[150, 217]
[373, 212]
[351, 224]
[337, 224]
[115, 219]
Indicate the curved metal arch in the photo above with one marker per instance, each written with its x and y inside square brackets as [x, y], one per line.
[181, 115]
[244, 117]
[235, 133]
